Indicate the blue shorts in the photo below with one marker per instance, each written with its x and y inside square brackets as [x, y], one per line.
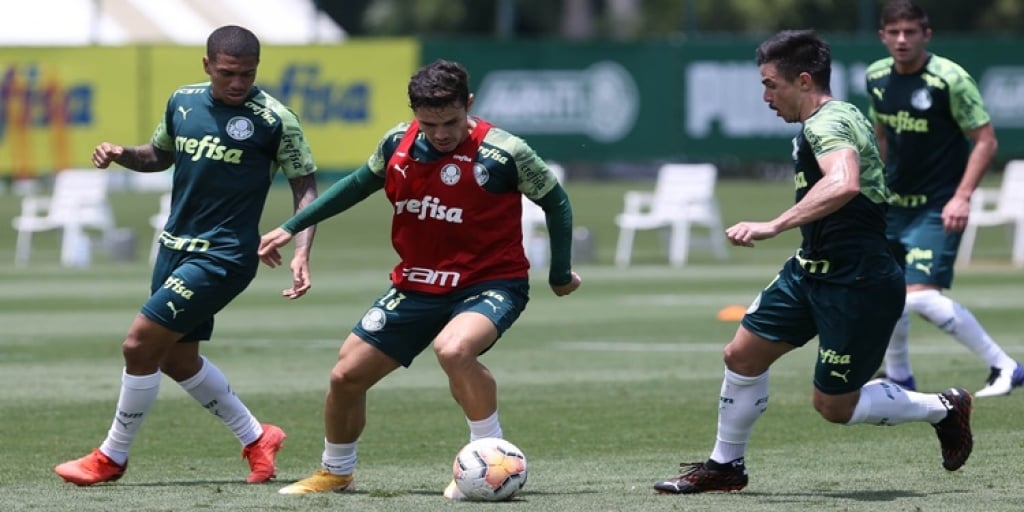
[187, 289]
[918, 238]
[402, 324]
[853, 323]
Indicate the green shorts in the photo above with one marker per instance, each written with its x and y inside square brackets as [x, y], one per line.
[187, 289]
[853, 323]
[918, 238]
[402, 324]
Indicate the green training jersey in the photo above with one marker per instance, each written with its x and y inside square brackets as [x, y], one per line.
[925, 115]
[837, 244]
[510, 163]
[225, 158]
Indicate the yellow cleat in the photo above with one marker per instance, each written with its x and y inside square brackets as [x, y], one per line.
[321, 481]
[453, 492]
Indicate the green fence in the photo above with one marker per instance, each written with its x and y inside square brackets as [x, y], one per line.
[689, 100]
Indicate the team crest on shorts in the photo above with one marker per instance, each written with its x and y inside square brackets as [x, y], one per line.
[481, 174]
[239, 128]
[921, 99]
[450, 174]
[374, 320]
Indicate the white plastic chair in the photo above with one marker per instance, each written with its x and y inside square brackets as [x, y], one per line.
[535, 224]
[79, 201]
[683, 197]
[1003, 206]
[157, 221]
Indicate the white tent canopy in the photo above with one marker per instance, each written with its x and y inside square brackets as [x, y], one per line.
[187, 22]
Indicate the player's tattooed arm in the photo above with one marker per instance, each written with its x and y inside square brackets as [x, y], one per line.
[145, 158]
[303, 193]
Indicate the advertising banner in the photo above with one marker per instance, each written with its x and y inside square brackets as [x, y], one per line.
[346, 96]
[56, 104]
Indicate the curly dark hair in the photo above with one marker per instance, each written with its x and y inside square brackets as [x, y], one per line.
[440, 84]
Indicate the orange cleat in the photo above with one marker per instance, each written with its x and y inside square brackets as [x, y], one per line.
[261, 453]
[92, 469]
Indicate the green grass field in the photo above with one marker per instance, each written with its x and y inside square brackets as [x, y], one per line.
[606, 391]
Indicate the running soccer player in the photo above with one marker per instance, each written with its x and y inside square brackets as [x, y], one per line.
[937, 140]
[226, 138]
[843, 285]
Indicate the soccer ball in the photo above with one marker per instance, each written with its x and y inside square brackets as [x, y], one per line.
[489, 469]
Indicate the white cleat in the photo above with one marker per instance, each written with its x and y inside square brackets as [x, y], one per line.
[1001, 381]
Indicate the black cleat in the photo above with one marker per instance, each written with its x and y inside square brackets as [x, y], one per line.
[707, 476]
[954, 430]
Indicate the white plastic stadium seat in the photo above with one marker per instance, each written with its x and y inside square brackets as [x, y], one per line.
[79, 201]
[998, 207]
[683, 197]
[535, 225]
[157, 222]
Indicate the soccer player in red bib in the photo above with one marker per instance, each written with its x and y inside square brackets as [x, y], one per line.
[456, 184]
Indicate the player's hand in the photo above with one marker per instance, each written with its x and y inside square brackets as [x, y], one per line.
[745, 233]
[269, 243]
[105, 154]
[301, 282]
[565, 289]
[955, 214]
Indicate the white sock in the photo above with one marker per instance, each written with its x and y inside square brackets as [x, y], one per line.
[138, 392]
[742, 401]
[210, 388]
[958, 322]
[897, 356]
[339, 458]
[487, 427]
[885, 403]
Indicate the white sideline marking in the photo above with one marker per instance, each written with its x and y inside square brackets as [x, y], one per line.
[685, 347]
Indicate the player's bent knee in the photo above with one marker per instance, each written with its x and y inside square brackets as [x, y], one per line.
[833, 409]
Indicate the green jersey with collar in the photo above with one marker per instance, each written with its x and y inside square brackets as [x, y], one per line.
[225, 158]
[836, 247]
[925, 115]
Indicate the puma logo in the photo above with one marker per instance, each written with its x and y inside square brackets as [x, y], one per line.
[838, 375]
[927, 269]
[124, 424]
[184, 112]
[174, 310]
[488, 301]
[401, 169]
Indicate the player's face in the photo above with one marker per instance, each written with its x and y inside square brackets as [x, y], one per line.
[906, 42]
[231, 78]
[445, 128]
[781, 95]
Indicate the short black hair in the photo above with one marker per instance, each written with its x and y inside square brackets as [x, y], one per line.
[440, 84]
[234, 41]
[798, 51]
[903, 10]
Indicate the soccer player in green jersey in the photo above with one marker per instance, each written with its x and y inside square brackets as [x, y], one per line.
[226, 138]
[843, 285]
[455, 183]
[937, 140]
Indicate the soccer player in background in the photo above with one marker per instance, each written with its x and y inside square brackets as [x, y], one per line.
[843, 285]
[936, 140]
[456, 184]
[226, 138]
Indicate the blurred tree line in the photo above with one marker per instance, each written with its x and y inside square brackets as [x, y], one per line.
[639, 19]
